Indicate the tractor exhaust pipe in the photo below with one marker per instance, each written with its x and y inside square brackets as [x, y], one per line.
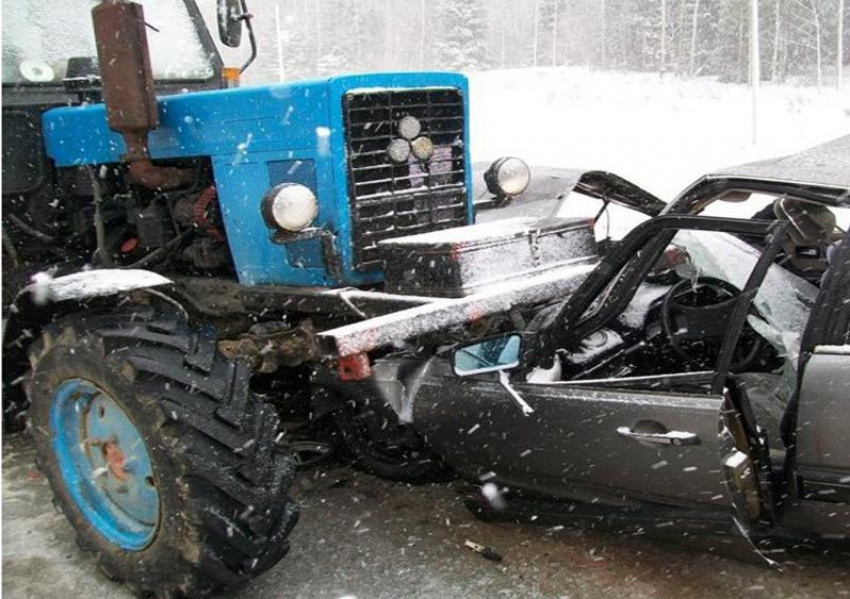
[128, 89]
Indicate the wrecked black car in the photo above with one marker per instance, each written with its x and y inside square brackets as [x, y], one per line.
[695, 372]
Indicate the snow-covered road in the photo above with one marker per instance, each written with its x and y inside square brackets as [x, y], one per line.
[363, 537]
[659, 132]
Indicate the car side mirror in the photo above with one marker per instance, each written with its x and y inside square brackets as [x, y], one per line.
[493, 354]
[230, 17]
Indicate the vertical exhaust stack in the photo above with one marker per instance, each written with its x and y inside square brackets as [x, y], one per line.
[128, 89]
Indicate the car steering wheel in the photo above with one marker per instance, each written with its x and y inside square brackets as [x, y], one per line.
[695, 316]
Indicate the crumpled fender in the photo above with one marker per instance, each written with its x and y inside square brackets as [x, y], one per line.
[394, 384]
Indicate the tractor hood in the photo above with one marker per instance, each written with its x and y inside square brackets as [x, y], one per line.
[226, 122]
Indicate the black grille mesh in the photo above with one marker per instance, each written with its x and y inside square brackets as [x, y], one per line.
[391, 200]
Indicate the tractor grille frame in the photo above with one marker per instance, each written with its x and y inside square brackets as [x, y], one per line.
[387, 199]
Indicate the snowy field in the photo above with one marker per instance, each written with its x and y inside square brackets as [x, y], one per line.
[659, 132]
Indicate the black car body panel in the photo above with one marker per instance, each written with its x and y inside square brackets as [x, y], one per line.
[762, 448]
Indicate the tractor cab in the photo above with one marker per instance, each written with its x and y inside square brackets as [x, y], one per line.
[49, 50]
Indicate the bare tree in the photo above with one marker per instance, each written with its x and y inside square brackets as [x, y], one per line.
[663, 58]
[536, 29]
[603, 38]
[504, 32]
[357, 33]
[777, 40]
[555, 7]
[281, 70]
[755, 63]
[840, 46]
[818, 50]
[690, 37]
[317, 21]
[810, 7]
[421, 34]
[694, 31]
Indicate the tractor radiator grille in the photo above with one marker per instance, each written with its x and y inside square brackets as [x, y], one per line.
[389, 199]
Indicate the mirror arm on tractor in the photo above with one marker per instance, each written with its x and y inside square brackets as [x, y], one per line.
[232, 14]
[252, 39]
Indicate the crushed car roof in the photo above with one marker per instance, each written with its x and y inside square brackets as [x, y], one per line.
[826, 165]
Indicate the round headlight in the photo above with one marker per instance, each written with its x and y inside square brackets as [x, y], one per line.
[399, 150]
[409, 127]
[290, 206]
[508, 177]
[423, 148]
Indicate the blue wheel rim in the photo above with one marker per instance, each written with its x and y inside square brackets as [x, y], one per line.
[104, 464]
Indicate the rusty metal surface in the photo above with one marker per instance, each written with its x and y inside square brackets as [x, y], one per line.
[268, 347]
[125, 68]
[145, 173]
[128, 88]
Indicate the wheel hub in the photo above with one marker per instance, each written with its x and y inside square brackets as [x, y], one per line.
[105, 464]
[114, 460]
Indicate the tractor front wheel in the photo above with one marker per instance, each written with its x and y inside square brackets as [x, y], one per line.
[158, 453]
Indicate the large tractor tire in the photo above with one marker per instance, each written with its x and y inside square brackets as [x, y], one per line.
[158, 453]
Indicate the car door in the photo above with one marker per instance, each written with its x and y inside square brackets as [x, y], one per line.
[823, 437]
[664, 439]
[822, 443]
[588, 441]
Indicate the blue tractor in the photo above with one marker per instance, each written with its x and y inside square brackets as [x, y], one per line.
[205, 285]
[175, 248]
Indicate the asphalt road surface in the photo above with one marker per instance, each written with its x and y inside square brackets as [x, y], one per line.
[366, 538]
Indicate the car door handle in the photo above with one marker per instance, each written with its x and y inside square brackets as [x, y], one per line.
[668, 438]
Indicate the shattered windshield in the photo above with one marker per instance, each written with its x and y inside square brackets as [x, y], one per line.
[784, 300]
[40, 37]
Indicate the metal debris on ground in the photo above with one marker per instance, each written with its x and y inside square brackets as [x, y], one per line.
[486, 552]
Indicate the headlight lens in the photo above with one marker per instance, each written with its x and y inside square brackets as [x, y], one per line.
[409, 127]
[423, 148]
[290, 206]
[508, 177]
[399, 150]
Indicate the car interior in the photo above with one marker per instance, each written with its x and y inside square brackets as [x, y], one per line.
[670, 333]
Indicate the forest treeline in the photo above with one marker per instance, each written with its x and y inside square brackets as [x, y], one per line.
[800, 40]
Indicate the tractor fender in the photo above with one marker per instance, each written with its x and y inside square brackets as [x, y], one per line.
[45, 299]
[89, 283]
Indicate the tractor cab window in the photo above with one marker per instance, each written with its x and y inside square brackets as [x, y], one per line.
[40, 38]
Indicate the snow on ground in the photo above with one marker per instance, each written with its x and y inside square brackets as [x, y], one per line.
[660, 132]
